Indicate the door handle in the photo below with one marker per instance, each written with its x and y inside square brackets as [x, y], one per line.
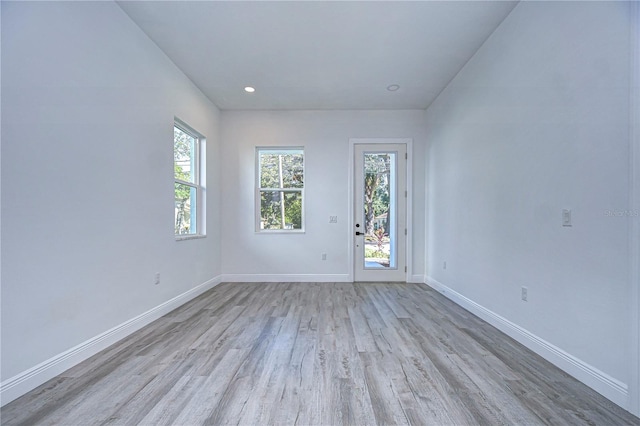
[359, 233]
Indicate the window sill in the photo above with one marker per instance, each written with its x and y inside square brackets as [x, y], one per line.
[279, 231]
[189, 237]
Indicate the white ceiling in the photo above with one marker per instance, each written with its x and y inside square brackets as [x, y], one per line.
[319, 54]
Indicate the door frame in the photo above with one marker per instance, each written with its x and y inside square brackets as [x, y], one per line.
[351, 180]
[633, 404]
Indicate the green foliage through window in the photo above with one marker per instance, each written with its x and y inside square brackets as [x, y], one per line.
[376, 189]
[280, 186]
[186, 173]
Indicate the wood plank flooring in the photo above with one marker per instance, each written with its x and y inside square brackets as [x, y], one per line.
[315, 354]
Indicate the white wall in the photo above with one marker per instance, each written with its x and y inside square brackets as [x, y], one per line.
[88, 103]
[538, 121]
[325, 136]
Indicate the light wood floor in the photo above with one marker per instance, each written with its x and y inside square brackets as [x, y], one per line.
[316, 354]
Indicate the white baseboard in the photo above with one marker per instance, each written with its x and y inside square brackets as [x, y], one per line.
[416, 278]
[307, 278]
[288, 278]
[599, 381]
[22, 383]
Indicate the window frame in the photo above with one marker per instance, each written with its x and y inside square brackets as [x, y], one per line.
[199, 179]
[259, 190]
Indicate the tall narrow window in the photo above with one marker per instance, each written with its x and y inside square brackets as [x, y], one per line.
[188, 169]
[280, 189]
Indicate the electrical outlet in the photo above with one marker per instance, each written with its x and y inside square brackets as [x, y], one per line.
[333, 219]
[157, 279]
[524, 293]
[566, 217]
[444, 265]
[324, 256]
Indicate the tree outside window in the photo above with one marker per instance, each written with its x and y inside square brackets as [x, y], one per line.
[280, 183]
[188, 188]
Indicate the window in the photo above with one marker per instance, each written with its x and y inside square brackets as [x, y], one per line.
[188, 172]
[280, 189]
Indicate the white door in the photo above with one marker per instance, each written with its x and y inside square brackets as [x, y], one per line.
[380, 212]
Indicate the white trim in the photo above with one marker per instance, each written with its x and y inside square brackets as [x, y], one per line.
[409, 201]
[417, 279]
[634, 205]
[184, 237]
[285, 278]
[280, 231]
[258, 189]
[350, 208]
[599, 381]
[200, 176]
[22, 383]
[409, 213]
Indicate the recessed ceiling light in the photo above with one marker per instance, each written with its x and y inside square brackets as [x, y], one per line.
[249, 89]
[393, 87]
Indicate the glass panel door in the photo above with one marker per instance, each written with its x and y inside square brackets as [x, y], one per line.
[380, 208]
[378, 215]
